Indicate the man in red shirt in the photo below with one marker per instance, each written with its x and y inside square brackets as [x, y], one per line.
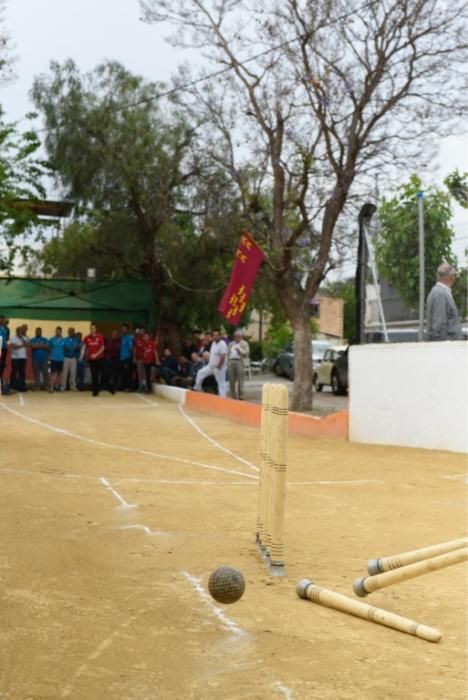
[149, 359]
[138, 356]
[94, 347]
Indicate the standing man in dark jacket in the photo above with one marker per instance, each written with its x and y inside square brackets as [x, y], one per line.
[3, 349]
[112, 355]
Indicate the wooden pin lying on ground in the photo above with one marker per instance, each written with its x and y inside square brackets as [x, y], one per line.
[378, 566]
[337, 601]
[363, 586]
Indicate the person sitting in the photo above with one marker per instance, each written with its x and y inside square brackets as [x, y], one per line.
[216, 366]
[166, 370]
[183, 377]
[205, 342]
[189, 346]
[197, 363]
[208, 383]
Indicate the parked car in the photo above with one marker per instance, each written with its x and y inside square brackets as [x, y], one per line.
[283, 364]
[395, 335]
[324, 373]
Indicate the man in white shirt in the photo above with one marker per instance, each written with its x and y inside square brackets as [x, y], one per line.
[443, 321]
[216, 366]
[19, 352]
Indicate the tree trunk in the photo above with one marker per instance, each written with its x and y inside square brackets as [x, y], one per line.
[298, 314]
[302, 387]
[169, 336]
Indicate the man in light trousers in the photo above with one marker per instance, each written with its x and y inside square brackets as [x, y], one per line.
[238, 354]
[71, 353]
[217, 365]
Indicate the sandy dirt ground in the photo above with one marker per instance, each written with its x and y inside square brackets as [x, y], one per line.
[115, 510]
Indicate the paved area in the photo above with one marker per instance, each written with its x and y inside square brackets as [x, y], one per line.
[324, 402]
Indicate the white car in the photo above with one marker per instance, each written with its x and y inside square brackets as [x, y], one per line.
[283, 364]
[323, 373]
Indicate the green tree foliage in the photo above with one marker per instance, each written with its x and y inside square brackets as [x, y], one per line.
[280, 334]
[21, 176]
[344, 289]
[460, 291]
[140, 212]
[396, 247]
[21, 173]
[457, 185]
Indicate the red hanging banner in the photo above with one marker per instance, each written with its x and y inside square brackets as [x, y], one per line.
[246, 263]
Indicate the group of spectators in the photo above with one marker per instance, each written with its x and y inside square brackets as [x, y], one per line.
[126, 361]
[209, 359]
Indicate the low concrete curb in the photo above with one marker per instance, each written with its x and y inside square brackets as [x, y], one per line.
[171, 393]
[334, 426]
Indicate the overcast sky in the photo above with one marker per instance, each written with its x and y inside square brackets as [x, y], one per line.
[92, 30]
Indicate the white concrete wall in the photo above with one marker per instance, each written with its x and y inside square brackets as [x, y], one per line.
[410, 394]
[171, 393]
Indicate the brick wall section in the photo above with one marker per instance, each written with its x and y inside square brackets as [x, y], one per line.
[331, 319]
[331, 316]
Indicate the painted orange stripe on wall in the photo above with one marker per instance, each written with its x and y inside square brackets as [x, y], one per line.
[334, 426]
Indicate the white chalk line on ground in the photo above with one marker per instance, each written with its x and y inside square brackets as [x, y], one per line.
[214, 442]
[111, 446]
[287, 692]
[124, 479]
[116, 495]
[146, 400]
[457, 477]
[226, 621]
[145, 529]
[188, 482]
[338, 482]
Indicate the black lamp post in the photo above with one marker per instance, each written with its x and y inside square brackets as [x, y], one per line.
[364, 219]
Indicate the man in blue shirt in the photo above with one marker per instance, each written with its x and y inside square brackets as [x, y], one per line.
[40, 360]
[57, 356]
[126, 358]
[71, 353]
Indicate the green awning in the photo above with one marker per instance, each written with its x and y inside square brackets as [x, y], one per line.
[77, 300]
